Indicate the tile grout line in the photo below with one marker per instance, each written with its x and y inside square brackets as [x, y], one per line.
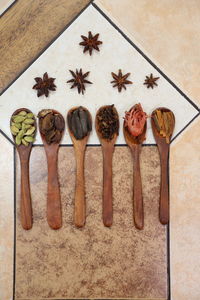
[137, 48]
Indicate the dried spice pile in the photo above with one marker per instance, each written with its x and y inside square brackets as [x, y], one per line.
[108, 122]
[79, 122]
[135, 120]
[164, 122]
[51, 125]
[22, 127]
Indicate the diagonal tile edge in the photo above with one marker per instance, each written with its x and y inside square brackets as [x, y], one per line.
[141, 50]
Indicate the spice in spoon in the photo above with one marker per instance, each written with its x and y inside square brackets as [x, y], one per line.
[79, 122]
[22, 128]
[51, 125]
[108, 122]
[135, 120]
[164, 122]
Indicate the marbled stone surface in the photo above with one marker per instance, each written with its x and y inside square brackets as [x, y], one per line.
[93, 262]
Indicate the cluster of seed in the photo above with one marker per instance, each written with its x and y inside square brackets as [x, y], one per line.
[22, 127]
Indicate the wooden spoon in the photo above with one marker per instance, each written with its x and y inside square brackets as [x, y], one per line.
[135, 145]
[108, 150]
[54, 213]
[163, 148]
[79, 148]
[24, 155]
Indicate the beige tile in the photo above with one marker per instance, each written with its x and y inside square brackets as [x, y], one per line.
[185, 210]
[169, 31]
[6, 219]
[93, 262]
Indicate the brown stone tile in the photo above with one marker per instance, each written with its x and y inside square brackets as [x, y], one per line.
[93, 262]
[27, 28]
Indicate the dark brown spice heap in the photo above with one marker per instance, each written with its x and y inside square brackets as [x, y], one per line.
[79, 122]
[51, 125]
[79, 80]
[150, 81]
[120, 80]
[164, 121]
[91, 42]
[108, 122]
[44, 85]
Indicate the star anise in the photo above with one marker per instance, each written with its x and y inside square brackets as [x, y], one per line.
[91, 42]
[150, 81]
[120, 80]
[44, 85]
[79, 80]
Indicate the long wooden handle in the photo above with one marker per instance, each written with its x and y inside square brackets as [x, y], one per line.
[54, 214]
[107, 186]
[164, 187]
[137, 189]
[80, 204]
[25, 206]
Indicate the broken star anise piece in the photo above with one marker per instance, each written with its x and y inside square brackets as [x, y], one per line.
[91, 42]
[44, 85]
[150, 81]
[79, 80]
[120, 80]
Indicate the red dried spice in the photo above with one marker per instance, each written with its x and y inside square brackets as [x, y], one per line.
[135, 120]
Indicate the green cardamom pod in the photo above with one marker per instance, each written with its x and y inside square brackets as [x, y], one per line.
[18, 125]
[30, 131]
[29, 121]
[14, 130]
[18, 119]
[30, 115]
[21, 134]
[25, 143]
[29, 139]
[18, 140]
[22, 113]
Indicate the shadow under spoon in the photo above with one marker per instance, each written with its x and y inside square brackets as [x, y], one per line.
[54, 213]
[108, 150]
[24, 156]
[135, 145]
[163, 148]
[79, 148]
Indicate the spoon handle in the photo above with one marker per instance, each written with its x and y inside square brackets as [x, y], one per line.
[54, 215]
[107, 185]
[137, 189]
[80, 205]
[164, 187]
[25, 205]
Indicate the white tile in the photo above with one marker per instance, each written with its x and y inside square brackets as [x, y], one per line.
[115, 53]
